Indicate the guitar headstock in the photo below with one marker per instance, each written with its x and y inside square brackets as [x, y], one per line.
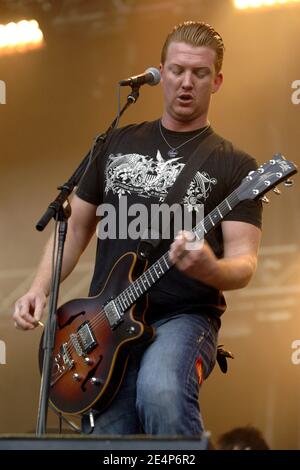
[266, 177]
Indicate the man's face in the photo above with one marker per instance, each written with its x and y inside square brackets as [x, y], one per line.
[188, 79]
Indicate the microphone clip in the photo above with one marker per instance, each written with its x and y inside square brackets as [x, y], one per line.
[134, 94]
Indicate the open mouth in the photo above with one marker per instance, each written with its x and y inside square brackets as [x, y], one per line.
[185, 98]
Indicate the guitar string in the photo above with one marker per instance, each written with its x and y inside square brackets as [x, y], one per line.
[140, 282]
[225, 204]
[151, 270]
[70, 346]
[100, 316]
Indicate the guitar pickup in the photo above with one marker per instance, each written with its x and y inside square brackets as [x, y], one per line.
[112, 314]
[86, 337]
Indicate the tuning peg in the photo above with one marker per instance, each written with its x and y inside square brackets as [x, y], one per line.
[276, 190]
[288, 183]
[265, 199]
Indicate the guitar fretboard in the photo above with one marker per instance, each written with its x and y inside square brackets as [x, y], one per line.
[160, 267]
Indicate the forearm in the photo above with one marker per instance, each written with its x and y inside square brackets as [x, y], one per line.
[232, 272]
[30, 307]
[74, 246]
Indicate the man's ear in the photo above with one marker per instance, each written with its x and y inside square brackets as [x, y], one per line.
[161, 69]
[217, 82]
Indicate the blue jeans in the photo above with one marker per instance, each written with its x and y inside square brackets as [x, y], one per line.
[160, 391]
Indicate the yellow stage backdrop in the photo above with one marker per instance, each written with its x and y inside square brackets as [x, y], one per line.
[54, 100]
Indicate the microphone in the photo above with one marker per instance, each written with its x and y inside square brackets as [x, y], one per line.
[151, 76]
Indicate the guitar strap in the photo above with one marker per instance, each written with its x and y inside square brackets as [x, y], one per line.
[205, 148]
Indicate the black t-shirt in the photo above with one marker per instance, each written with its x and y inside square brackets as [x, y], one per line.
[133, 167]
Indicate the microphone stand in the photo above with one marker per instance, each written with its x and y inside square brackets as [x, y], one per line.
[60, 210]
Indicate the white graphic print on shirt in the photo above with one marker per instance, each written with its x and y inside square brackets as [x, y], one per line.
[146, 176]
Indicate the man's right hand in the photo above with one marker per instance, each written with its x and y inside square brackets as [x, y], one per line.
[29, 309]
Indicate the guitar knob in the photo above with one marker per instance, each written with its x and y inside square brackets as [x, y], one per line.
[95, 381]
[131, 330]
[76, 377]
[288, 183]
[88, 361]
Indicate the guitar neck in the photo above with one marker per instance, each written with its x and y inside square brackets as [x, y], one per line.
[160, 267]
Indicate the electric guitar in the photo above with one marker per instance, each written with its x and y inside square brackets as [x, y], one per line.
[95, 335]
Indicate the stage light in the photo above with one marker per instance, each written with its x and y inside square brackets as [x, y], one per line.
[20, 37]
[245, 4]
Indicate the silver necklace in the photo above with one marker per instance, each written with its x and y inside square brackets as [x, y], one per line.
[173, 152]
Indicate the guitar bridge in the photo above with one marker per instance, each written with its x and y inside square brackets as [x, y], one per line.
[62, 362]
[66, 356]
[112, 314]
[84, 340]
